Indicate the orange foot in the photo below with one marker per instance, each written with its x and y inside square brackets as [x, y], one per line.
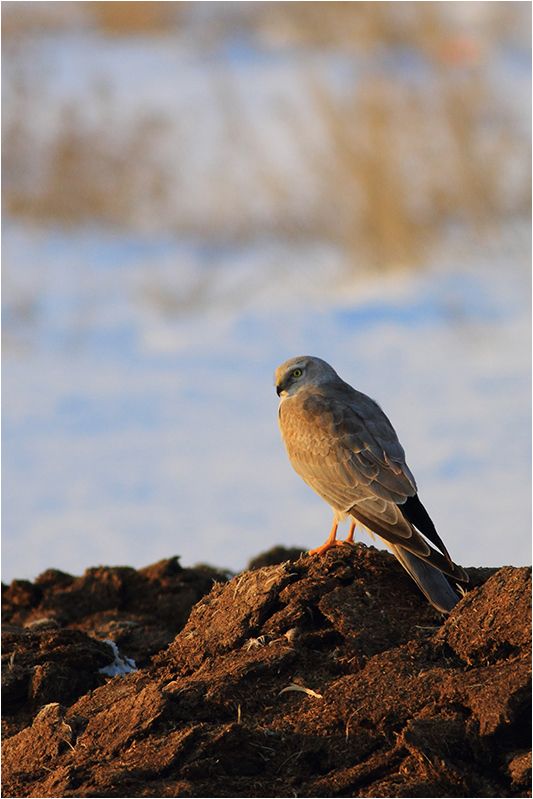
[332, 540]
[327, 545]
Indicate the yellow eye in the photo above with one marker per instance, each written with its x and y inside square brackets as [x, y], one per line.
[297, 373]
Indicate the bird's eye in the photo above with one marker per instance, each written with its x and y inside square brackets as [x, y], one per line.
[297, 373]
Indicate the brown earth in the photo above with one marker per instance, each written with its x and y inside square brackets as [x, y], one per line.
[317, 677]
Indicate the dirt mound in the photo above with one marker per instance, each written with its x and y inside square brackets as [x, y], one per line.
[140, 610]
[317, 677]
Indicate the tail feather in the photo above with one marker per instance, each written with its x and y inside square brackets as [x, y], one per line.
[413, 510]
[415, 544]
[429, 579]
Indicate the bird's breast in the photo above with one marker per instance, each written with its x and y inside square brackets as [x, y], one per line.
[306, 430]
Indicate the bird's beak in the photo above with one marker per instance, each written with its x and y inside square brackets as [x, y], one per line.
[281, 389]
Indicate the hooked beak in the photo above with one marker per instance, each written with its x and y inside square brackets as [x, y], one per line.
[279, 389]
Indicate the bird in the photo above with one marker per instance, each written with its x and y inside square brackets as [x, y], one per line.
[344, 447]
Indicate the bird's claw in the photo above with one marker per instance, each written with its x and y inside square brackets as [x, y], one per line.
[329, 545]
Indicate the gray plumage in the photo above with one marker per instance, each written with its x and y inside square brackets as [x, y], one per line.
[343, 445]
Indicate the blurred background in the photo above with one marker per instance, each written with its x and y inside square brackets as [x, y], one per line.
[194, 192]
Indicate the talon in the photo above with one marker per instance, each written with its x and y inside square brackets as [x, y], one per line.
[325, 547]
[329, 544]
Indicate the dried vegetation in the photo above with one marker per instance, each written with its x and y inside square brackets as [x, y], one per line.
[416, 142]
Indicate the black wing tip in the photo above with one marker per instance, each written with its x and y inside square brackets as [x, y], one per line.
[415, 513]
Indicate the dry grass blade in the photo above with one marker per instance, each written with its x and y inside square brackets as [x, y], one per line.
[301, 689]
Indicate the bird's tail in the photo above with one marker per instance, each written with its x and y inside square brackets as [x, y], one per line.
[429, 579]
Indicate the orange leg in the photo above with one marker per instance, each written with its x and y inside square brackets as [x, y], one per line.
[332, 541]
[349, 537]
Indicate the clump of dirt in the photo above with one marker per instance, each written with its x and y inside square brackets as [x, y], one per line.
[314, 677]
[140, 610]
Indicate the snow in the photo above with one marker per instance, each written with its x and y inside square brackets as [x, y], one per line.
[120, 666]
[131, 435]
[139, 408]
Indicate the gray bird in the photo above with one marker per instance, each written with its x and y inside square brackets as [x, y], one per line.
[342, 444]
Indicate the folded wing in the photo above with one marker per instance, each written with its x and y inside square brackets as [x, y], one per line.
[343, 445]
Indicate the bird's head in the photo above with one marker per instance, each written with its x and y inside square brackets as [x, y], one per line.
[302, 372]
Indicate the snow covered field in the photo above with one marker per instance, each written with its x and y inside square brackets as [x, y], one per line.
[138, 399]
